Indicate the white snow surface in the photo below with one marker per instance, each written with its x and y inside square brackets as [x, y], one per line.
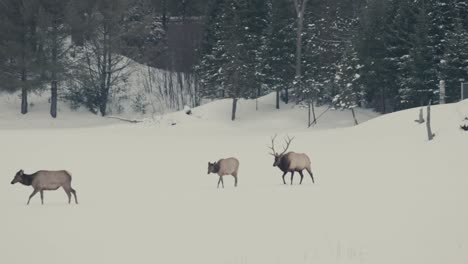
[383, 193]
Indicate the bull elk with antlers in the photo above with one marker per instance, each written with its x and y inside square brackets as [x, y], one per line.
[291, 161]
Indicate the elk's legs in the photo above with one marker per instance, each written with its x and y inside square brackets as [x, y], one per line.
[235, 181]
[42, 197]
[284, 174]
[222, 181]
[74, 194]
[219, 181]
[311, 175]
[302, 176]
[292, 175]
[67, 191]
[32, 194]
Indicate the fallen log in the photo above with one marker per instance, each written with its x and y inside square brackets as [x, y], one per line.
[133, 121]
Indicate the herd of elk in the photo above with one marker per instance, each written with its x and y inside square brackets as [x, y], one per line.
[286, 161]
[292, 162]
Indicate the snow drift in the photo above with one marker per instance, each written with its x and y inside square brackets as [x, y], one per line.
[383, 193]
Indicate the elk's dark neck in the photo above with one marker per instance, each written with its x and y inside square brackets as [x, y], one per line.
[284, 163]
[216, 167]
[27, 179]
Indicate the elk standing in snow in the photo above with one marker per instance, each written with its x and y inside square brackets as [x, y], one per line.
[291, 161]
[46, 181]
[229, 166]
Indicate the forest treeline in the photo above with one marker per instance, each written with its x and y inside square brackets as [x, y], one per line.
[384, 54]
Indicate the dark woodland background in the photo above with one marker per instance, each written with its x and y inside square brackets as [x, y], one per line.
[382, 54]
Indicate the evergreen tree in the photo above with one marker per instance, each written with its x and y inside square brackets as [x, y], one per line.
[350, 91]
[372, 51]
[257, 19]
[419, 87]
[455, 58]
[211, 51]
[53, 34]
[398, 39]
[233, 51]
[279, 60]
[21, 67]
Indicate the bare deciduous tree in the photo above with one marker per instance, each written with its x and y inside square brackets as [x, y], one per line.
[430, 135]
[421, 118]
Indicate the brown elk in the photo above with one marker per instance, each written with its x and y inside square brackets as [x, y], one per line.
[291, 161]
[229, 166]
[46, 181]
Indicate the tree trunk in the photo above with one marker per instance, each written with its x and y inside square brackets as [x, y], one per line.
[24, 100]
[300, 25]
[300, 6]
[53, 98]
[24, 94]
[181, 86]
[103, 103]
[421, 118]
[106, 73]
[384, 108]
[259, 91]
[354, 117]
[277, 98]
[442, 92]
[430, 135]
[313, 112]
[53, 85]
[196, 89]
[234, 108]
[286, 96]
[164, 15]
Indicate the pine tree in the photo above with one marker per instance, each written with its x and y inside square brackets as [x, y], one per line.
[237, 70]
[398, 38]
[53, 34]
[455, 57]
[233, 51]
[21, 67]
[371, 48]
[331, 28]
[211, 51]
[280, 48]
[257, 19]
[419, 87]
[348, 81]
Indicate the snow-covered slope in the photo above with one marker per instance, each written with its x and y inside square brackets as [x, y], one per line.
[383, 193]
[257, 117]
[218, 113]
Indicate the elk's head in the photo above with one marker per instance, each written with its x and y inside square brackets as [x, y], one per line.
[18, 177]
[279, 156]
[211, 167]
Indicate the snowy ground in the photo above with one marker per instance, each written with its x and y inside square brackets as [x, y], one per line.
[383, 194]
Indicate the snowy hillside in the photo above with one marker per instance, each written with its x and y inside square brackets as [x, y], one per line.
[383, 193]
[289, 117]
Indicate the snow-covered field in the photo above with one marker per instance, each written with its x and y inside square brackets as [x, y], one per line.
[383, 193]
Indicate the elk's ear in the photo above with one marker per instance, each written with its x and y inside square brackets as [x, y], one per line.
[21, 172]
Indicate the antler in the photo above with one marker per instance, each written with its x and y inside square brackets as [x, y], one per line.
[288, 141]
[273, 145]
